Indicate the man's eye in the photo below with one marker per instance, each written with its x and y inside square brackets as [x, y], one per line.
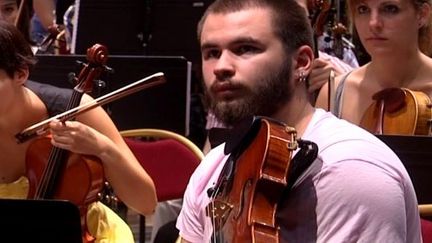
[246, 49]
[210, 54]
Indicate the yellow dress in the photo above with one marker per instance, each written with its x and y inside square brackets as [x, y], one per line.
[103, 223]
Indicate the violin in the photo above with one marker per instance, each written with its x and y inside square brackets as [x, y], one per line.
[246, 196]
[54, 173]
[398, 111]
[75, 178]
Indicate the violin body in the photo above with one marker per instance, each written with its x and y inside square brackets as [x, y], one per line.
[81, 179]
[398, 111]
[87, 173]
[56, 173]
[246, 211]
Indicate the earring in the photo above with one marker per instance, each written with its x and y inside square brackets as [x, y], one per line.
[302, 77]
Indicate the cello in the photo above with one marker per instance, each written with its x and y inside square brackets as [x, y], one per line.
[253, 181]
[398, 111]
[55, 173]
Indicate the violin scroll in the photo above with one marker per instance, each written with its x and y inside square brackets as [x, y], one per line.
[97, 57]
[97, 54]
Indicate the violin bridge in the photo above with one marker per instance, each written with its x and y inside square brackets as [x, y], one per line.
[219, 212]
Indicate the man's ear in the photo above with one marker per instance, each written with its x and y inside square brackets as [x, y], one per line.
[21, 75]
[304, 59]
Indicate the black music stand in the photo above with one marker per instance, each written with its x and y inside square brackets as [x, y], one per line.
[415, 152]
[166, 106]
[39, 221]
[121, 25]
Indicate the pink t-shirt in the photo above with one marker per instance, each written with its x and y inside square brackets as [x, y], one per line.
[357, 190]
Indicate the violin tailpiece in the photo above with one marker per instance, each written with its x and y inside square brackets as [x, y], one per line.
[219, 212]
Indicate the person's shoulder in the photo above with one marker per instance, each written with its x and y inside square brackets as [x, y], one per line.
[45, 88]
[341, 144]
[331, 132]
[209, 163]
[353, 78]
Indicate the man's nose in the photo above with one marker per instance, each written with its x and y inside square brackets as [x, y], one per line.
[225, 66]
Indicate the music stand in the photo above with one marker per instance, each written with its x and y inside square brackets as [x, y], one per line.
[165, 107]
[118, 24]
[39, 221]
[415, 152]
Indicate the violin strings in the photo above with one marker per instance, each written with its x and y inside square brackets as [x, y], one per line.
[217, 234]
[56, 154]
[46, 175]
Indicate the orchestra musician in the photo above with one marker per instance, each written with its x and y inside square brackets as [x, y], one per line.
[25, 103]
[256, 55]
[10, 12]
[397, 36]
[50, 25]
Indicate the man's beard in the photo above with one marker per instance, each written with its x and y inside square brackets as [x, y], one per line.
[263, 99]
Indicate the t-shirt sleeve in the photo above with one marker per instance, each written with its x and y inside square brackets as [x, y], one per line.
[360, 202]
[188, 222]
[193, 223]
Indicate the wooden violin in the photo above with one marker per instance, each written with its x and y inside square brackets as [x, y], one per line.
[55, 173]
[246, 196]
[398, 111]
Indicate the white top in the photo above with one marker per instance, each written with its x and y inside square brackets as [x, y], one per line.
[357, 190]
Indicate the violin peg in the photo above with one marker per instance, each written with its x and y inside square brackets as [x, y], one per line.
[109, 70]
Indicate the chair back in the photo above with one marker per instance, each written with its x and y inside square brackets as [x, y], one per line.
[169, 158]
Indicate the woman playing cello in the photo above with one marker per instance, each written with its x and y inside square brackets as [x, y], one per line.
[93, 133]
[396, 34]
